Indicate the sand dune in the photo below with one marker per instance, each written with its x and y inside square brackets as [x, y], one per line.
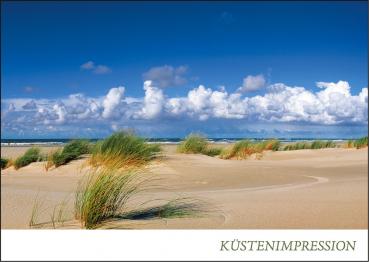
[305, 189]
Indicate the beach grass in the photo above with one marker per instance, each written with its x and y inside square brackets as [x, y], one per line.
[71, 151]
[317, 144]
[123, 149]
[197, 144]
[215, 151]
[33, 154]
[245, 148]
[296, 146]
[57, 216]
[35, 212]
[103, 195]
[193, 144]
[240, 150]
[350, 143]
[361, 142]
[4, 163]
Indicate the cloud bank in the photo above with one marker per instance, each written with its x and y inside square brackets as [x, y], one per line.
[330, 104]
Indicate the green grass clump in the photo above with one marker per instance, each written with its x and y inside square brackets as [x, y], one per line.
[71, 151]
[270, 144]
[317, 144]
[197, 144]
[240, 150]
[103, 195]
[193, 144]
[361, 142]
[123, 149]
[297, 146]
[350, 143]
[213, 151]
[4, 162]
[31, 155]
[244, 148]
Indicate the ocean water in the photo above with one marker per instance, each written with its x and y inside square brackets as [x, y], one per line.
[58, 141]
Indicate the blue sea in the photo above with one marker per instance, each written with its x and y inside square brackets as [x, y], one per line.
[58, 141]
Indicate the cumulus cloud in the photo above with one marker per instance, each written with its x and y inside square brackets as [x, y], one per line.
[96, 69]
[60, 112]
[153, 102]
[112, 100]
[332, 104]
[167, 76]
[252, 83]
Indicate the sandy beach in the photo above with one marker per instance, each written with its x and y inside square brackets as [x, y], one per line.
[302, 189]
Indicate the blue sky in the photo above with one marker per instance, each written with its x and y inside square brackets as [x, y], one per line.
[53, 50]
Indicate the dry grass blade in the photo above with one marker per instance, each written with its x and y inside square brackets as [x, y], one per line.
[35, 212]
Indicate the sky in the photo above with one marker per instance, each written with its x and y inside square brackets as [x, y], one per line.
[240, 69]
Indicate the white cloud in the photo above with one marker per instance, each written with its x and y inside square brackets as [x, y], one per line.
[96, 69]
[252, 83]
[61, 113]
[332, 104]
[167, 76]
[153, 102]
[112, 100]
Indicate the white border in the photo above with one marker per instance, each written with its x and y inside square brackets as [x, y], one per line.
[168, 244]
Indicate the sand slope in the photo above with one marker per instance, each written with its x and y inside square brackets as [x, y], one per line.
[305, 189]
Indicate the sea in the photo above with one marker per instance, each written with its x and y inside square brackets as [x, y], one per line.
[58, 141]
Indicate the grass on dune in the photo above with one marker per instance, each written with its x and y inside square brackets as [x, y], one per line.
[317, 144]
[358, 143]
[71, 151]
[4, 163]
[33, 154]
[245, 148]
[350, 143]
[57, 217]
[361, 142]
[123, 149]
[215, 151]
[197, 144]
[193, 144]
[103, 195]
[296, 146]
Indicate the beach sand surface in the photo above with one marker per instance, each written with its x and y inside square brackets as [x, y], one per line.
[303, 189]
